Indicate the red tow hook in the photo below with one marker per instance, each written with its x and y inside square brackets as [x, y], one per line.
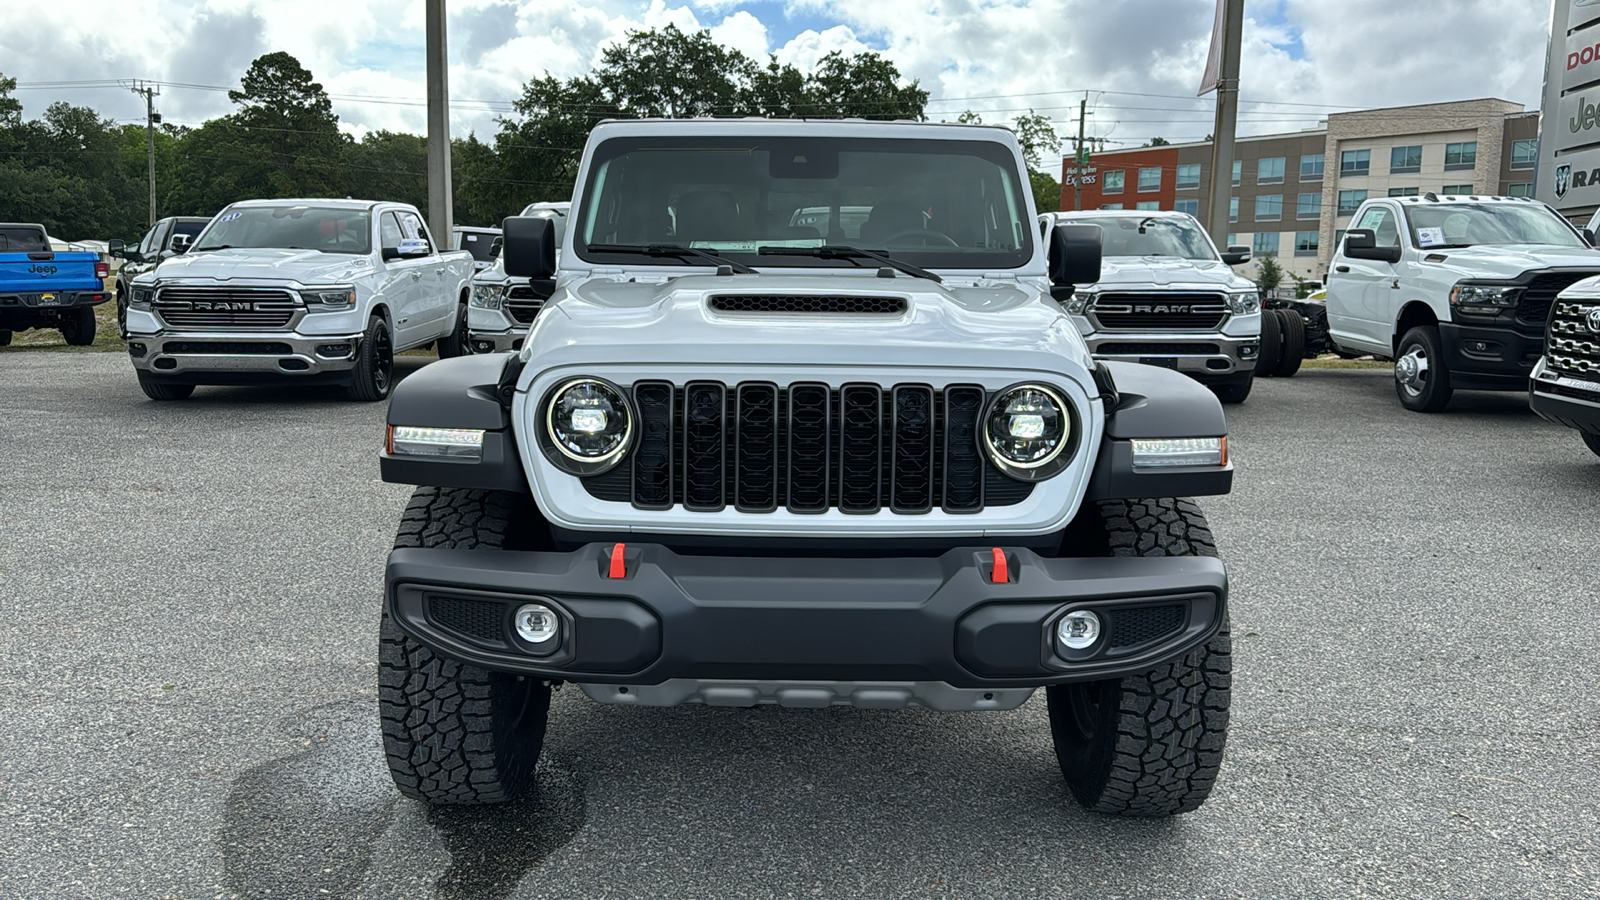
[1001, 572]
[619, 568]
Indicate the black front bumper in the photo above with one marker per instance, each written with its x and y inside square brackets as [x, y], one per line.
[937, 619]
[1488, 357]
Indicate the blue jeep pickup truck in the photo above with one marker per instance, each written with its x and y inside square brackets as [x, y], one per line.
[40, 288]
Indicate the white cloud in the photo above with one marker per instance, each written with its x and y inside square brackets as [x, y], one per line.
[744, 33]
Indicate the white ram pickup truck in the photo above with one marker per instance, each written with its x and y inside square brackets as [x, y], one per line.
[503, 307]
[1455, 289]
[308, 291]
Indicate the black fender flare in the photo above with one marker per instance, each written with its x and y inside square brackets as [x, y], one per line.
[471, 392]
[1150, 402]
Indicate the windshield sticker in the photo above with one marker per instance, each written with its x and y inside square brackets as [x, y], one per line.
[472, 239]
[1432, 236]
[231, 216]
[751, 246]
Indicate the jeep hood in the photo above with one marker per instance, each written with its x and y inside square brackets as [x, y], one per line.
[1166, 272]
[1511, 260]
[996, 325]
[247, 265]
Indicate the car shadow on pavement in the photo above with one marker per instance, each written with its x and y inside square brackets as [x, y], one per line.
[324, 820]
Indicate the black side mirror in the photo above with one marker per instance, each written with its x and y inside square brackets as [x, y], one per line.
[1075, 254]
[1362, 243]
[116, 248]
[496, 246]
[530, 247]
[1236, 255]
[1588, 235]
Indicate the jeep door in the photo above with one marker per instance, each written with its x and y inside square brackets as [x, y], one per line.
[400, 283]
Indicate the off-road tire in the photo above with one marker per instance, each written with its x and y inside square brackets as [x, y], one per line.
[77, 326]
[456, 734]
[162, 390]
[1592, 441]
[1235, 392]
[456, 343]
[374, 370]
[122, 313]
[1271, 344]
[1434, 395]
[5, 337]
[1293, 327]
[1150, 744]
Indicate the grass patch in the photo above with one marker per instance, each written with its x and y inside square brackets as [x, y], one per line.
[106, 338]
[1329, 361]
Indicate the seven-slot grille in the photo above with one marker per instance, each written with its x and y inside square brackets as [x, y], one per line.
[808, 448]
[1163, 311]
[522, 303]
[1571, 349]
[242, 308]
[1533, 307]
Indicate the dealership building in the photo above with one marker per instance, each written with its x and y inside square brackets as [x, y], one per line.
[1293, 194]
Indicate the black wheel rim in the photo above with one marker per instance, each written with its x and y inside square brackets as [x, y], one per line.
[122, 316]
[1084, 703]
[382, 358]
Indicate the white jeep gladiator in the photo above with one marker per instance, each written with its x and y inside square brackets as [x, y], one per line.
[1457, 290]
[309, 291]
[747, 458]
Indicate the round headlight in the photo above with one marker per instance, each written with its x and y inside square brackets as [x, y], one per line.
[1027, 430]
[588, 425]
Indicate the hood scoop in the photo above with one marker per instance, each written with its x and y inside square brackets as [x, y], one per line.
[807, 304]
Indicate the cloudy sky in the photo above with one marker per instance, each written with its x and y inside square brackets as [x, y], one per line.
[1138, 60]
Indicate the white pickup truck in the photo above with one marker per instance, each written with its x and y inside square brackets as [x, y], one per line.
[1455, 289]
[309, 291]
[503, 307]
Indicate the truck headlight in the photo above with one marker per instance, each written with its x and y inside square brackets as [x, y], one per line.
[1079, 304]
[487, 296]
[1027, 431]
[1244, 304]
[588, 426]
[329, 298]
[1483, 299]
[141, 297]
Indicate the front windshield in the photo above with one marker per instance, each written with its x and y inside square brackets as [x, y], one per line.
[1451, 224]
[930, 203]
[478, 244]
[289, 227]
[1150, 236]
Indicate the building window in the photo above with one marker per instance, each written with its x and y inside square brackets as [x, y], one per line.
[1111, 206]
[1338, 237]
[1405, 159]
[1238, 171]
[1150, 179]
[1192, 207]
[1309, 206]
[1233, 240]
[1305, 242]
[1524, 154]
[1311, 167]
[1457, 190]
[1269, 207]
[1460, 156]
[1233, 209]
[1350, 201]
[1112, 183]
[1525, 189]
[1269, 171]
[1403, 192]
[1265, 242]
[1147, 204]
[1189, 176]
[1355, 162]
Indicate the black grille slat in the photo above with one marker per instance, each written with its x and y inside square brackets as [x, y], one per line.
[963, 461]
[704, 447]
[1571, 349]
[1533, 307]
[1130, 627]
[652, 460]
[860, 448]
[756, 448]
[478, 619]
[1130, 311]
[810, 431]
[236, 348]
[523, 303]
[911, 475]
[762, 303]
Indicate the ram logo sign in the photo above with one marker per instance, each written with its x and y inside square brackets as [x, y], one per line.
[223, 305]
[1563, 180]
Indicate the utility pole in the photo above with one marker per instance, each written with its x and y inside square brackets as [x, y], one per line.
[440, 195]
[1077, 155]
[1232, 36]
[150, 91]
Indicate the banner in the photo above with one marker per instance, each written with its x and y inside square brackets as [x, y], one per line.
[1213, 75]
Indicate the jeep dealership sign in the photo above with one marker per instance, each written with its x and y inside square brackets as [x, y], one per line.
[1568, 176]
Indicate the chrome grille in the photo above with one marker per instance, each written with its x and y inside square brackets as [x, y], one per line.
[225, 308]
[1571, 349]
[1159, 311]
[523, 303]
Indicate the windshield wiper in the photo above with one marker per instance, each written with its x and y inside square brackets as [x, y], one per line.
[674, 251]
[839, 251]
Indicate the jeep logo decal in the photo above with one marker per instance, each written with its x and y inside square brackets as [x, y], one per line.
[42, 270]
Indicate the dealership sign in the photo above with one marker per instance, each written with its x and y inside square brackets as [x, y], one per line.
[1568, 173]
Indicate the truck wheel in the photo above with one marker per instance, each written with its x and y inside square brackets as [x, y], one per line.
[1294, 342]
[1151, 744]
[162, 390]
[1235, 392]
[1421, 380]
[122, 314]
[454, 733]
[374, 371]
[1271, 344]
[455, 344]
[77, 326]
[1592, 441]
[5, 337]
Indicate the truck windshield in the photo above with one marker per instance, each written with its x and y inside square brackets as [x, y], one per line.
[929, 203]
[289, 227]
[1451, 224]
[1150, 236]
[22, 239]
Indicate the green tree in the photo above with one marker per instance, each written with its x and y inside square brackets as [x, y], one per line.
[863, 85]
[664, 72]
[1037, 135]
[285, 130]
[10, 107]
[1268, 273]
[388, 165]
[1157, 142]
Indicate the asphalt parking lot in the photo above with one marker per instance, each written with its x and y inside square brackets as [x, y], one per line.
[188, 607]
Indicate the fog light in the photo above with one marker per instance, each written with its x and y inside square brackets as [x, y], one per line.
[136, 349]
[1078, 630]
[1248, 351]
[537, 623]
[334, 351]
